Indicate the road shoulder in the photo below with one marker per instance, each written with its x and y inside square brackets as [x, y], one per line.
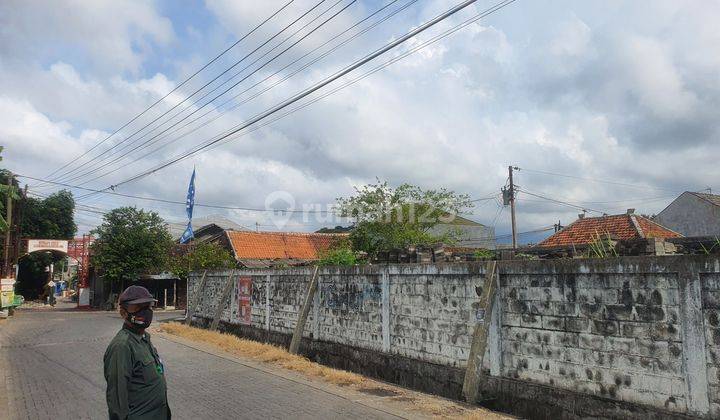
[391, 399]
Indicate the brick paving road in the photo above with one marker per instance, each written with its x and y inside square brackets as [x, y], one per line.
[51, 368]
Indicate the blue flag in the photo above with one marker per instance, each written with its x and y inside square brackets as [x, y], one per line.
[189, 204]
[188, 234]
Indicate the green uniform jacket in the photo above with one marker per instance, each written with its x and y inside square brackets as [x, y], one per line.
[135, 376]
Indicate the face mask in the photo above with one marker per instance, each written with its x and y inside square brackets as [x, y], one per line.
[142, 318]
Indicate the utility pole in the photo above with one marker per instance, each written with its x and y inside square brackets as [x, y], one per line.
[18, 229]
[512, 206]
[6, 251]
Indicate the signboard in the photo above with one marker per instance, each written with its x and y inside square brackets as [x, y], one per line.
[7, 292]
[7, 284]
[244, 300]
[47, 245]
[6, 299]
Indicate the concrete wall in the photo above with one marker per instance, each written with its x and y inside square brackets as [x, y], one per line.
[691, 216]
[628, 337]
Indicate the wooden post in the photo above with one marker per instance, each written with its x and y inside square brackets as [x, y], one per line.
[221, 302]
[302, 317]
[471, 384]
[195, 304]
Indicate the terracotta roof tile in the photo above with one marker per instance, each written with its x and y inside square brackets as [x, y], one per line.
[621, 227]
[281, 245]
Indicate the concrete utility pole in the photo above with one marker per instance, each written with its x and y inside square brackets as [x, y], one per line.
[6, 251]
[512, 206]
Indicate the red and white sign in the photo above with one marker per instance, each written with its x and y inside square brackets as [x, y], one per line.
[244, 300]
[47, 245]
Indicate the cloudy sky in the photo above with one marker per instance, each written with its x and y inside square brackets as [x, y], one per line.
[620, 95]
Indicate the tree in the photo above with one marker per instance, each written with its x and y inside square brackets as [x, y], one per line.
[49, 218]
[200, 256]
[130, 242]
[387, 218]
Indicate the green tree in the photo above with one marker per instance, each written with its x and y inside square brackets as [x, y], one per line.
[130, 242]
[49, 218]
[199, 256]
[389, 218]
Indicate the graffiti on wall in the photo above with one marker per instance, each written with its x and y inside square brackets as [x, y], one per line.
[243, 297]
[350, 296]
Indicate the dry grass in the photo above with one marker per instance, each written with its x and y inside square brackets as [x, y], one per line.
[277, 356]
[265, 353]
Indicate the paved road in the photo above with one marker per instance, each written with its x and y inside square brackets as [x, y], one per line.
[51, 368]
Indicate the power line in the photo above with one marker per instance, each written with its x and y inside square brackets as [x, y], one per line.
[174, 89]
[259, 93]
[327, 81]
[160, 200]
[597, 180]
[104, 162]
[565, 203]
[206, 84]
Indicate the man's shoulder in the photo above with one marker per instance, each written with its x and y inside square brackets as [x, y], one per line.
[119, 341]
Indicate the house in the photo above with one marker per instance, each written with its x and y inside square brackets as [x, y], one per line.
[692, 214]
[206, 227]
[268, 249]
[471, 234]
[626, 226]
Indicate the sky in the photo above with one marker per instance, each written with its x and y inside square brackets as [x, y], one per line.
[603, 106]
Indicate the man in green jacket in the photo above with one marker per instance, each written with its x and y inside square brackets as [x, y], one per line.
[134, 372]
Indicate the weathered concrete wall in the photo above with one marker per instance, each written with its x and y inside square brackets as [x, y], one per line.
[632, 337]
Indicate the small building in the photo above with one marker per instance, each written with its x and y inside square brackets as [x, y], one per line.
[470, 234]
[272, 249]
[692, 214]
[205, 227]
[622, 227]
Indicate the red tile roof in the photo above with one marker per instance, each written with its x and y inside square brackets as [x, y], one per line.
[621, 227]
[281, 245]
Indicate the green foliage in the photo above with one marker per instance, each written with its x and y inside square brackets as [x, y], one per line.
[708, 251]
[602, 246]
[50, 218]
[200, 256]
[339, 256]
[484, 254]
[388, 218]
[130, 242]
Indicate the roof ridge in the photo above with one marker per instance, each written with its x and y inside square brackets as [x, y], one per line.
[659, 225]
[248, 232]
[704, 196]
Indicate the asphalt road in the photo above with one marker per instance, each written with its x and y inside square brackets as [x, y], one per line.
[51, 368]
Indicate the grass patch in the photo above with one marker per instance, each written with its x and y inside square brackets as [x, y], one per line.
[278, 356]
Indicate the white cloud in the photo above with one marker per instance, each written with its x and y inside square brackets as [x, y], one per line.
[113, 35]
[581, 95]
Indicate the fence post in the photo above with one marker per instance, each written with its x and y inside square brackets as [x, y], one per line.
[192, 307]
[221, 302]
[471, 384]
[302, 318]
[267, 302]
[385, 307]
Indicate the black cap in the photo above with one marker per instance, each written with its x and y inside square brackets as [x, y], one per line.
[134, 295]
